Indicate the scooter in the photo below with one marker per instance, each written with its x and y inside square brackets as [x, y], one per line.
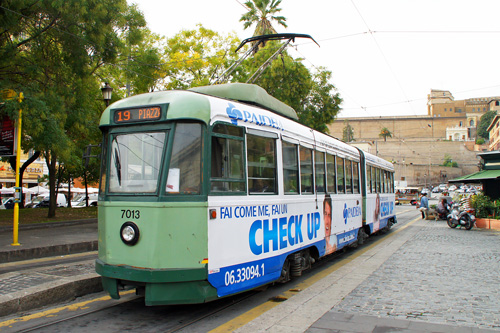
[463, 218]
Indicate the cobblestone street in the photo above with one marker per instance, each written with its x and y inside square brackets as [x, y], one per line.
[440, 275]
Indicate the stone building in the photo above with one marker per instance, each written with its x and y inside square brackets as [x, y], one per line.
[494, 130]
[420, 144]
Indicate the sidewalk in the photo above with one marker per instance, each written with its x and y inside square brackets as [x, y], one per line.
[27, 289]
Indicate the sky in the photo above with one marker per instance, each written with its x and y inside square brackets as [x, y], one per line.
[385, 55]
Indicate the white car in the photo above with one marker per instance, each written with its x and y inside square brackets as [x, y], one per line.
[79, 200]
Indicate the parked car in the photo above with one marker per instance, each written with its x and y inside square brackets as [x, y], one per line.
[79, 200]
[7, 203]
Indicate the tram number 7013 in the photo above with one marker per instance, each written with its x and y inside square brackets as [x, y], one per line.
[243, 274]
[131, 214]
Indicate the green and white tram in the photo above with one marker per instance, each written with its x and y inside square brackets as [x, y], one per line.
[217, 190]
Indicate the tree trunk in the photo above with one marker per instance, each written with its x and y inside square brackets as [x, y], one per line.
[51, 160]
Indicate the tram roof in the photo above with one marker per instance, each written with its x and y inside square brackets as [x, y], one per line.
[248, 93]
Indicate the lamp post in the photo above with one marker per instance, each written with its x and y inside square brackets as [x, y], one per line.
[106, 93]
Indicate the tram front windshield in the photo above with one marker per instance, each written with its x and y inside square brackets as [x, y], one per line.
[136, 162]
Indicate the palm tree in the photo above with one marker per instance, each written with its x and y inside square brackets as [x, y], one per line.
[262, 12]
[385, 133]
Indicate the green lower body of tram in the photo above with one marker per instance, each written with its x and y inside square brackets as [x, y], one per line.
[168, 263]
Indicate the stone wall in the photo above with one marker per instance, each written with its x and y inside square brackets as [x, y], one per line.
[402, 128]
[419, 162]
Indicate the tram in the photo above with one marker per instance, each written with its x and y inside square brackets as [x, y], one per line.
[217, 190]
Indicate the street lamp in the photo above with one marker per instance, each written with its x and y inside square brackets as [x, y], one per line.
[106, 93]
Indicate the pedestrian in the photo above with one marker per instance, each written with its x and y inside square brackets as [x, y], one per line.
[424, 205]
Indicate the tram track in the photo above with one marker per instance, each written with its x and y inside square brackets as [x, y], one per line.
[191, 318]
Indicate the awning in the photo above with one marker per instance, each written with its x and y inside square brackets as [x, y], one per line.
[477, 177]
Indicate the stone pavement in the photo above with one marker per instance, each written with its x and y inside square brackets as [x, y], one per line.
[426, 277]
[28, 288]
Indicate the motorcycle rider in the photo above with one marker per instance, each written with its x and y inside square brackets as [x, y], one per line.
[442, 208]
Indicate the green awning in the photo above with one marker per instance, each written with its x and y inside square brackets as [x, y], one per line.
[477, 177]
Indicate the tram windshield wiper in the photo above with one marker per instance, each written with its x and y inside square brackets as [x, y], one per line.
[118, 166]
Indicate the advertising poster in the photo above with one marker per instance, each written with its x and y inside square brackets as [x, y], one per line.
[248, 243]
[7, 137]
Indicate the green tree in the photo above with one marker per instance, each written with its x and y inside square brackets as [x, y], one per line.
[311, 95]
[448, 161]
[261, 13]
[193, 57]
[51, 50]
[385, 133]
[484, 123]
[347, 132]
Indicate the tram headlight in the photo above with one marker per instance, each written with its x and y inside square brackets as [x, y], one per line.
[129, 233]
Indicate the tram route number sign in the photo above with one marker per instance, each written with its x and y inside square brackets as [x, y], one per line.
[137, 114]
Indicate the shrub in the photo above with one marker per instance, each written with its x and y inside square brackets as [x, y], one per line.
[483, 205]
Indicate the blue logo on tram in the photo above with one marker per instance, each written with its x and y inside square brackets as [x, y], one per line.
[250, 117]
[351, 212]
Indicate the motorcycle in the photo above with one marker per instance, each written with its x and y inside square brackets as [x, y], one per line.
[463, 218]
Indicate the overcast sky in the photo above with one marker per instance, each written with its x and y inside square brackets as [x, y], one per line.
[385, 55]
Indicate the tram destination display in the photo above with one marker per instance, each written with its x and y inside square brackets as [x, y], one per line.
[137, 114]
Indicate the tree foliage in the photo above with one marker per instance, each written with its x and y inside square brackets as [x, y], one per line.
[261, 13]
[448, 162]
[385, 133]
[348, 132]
[311, 95]
[484, 123]
[194, 57]
[51, 50]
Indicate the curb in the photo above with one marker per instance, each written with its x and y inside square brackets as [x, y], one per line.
[63, 290]
[49, 224]
[48, 251]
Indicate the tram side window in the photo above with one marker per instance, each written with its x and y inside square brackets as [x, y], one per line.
[340, 175]
[330, 174]
[392, 182]
[184, 174]
[228, 172]
[369, 179]
[319, 167]
[348, 176]
[290, 168]
[386, 182]
[355, 177]
[261, 154]
[377, 180]
[306, 170]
